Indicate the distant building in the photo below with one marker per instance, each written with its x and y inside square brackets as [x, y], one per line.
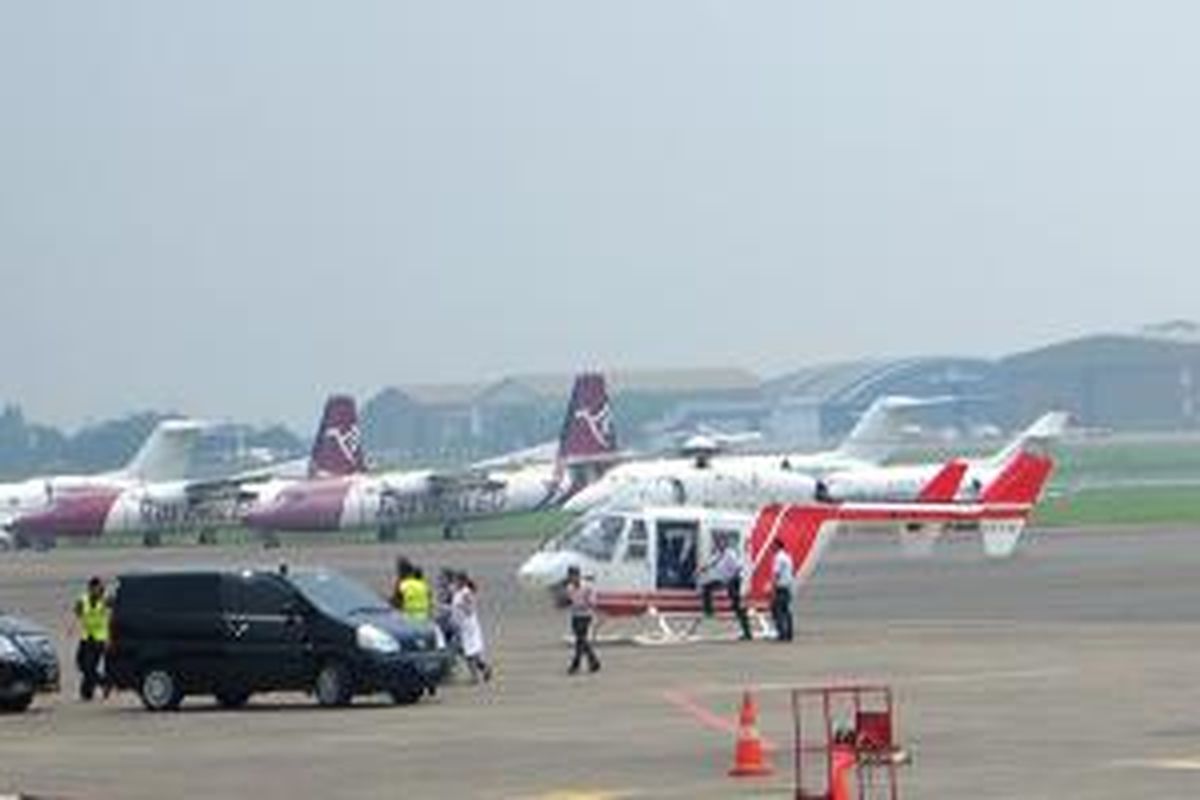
[454, 422]
[817, 406]
[1123, 382]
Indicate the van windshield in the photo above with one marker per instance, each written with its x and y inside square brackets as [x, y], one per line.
[336, 594]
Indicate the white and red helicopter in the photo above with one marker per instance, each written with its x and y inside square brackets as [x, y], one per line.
[645, 562]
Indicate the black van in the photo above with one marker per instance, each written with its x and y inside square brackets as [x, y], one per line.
[231, 633]
[28, 663]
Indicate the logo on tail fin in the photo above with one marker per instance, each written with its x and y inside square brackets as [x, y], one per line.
[337, 449]
[588, 427]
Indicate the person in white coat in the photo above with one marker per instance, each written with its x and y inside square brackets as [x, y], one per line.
[465, 609]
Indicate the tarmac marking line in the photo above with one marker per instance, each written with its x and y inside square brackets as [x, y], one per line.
[944, 678]
[583, 794]
[707, 718]
[1174, 764]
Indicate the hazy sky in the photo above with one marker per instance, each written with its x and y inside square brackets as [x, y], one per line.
[230, 208]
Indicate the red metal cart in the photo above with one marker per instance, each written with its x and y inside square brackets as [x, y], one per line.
[845, 743]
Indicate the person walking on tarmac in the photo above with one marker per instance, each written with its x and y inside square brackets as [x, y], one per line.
[783, 576]
[92, 614]
[724, 571]
[581, 597]
[466, 618]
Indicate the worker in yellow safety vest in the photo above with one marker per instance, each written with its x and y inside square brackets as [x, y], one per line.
[92, 612]
[415, 595]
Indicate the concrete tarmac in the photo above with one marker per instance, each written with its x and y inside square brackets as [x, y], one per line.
[1070, 671]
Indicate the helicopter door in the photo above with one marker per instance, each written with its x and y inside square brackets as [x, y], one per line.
[630, 567]
[676, 545]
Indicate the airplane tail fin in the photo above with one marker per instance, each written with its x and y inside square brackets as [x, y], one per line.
[877, 434]
[337, 448]
[166, 453]
[588, 433]
[1021, 481]
[943, 486]
[1038, 437]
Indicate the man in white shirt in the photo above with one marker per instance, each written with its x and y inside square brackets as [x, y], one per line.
[725, 571]
[581, 596]
[783, 576]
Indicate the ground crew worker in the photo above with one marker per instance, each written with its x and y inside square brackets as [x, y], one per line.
[783, 575]
[92, 613]
[581, 596]
[725, 572]
[416, 596]
[404, 569]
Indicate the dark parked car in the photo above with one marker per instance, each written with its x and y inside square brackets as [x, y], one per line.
[231, 633]
[28, 664]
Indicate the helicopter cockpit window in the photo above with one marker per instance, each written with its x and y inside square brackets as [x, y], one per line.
[597, 537]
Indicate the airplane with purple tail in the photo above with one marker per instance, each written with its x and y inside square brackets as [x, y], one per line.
[153, 502]
[387, 501]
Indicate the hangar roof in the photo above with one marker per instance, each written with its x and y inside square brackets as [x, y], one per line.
[852, 382]
[1107, 351]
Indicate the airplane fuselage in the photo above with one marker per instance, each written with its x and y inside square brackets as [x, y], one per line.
[397, 499]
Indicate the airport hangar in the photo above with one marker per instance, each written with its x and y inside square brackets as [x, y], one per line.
[1140, 382]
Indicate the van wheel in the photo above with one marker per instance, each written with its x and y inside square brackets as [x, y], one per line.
[151, 539]
[15, 705]
[233, 698]
[333, 686]
[407, 694]
[160, 690]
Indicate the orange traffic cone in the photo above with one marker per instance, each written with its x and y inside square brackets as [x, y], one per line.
[844, 762]
[748, 757]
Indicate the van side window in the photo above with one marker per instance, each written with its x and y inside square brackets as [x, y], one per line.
[635, 550]
[173, 594]
[262, 596]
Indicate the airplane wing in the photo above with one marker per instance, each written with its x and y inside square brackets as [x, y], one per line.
[542, 453]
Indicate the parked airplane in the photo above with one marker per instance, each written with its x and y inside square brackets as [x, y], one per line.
[902, 482]
[164, 456]
[644, 562]
[751, 481]
[149, 505]
[707, 478]
[388, 500]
